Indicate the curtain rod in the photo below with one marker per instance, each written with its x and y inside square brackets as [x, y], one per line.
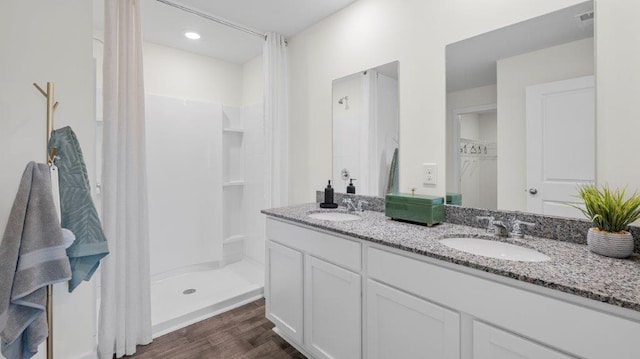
[212, 18]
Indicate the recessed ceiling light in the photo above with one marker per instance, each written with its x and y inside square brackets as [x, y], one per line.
[192, 35]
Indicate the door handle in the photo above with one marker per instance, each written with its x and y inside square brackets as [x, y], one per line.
[533, 191]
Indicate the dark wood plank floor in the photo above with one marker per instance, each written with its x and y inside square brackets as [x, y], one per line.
[242, 333]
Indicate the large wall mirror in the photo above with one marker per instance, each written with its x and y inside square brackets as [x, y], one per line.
[521, 113]
[365, 131]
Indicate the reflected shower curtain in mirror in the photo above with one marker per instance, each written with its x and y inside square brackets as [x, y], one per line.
[276, 118]
[125, 310]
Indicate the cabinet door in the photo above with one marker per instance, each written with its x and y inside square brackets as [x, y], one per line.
[493, 343]
[400, 325]
[332, 310]
[284, 289]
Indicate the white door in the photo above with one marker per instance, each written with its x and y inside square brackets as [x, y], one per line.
[560, 144]
[400, 325]
[284, 289]
[493, 343]
[332, 310]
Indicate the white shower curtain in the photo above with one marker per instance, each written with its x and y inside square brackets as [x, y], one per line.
[276, 118]
[125, 310]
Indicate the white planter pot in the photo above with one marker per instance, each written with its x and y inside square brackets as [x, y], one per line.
[616, 245]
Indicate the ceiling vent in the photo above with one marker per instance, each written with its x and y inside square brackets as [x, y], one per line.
[586, 18]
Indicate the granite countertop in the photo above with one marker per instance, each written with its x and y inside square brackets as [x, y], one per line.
[572, 268]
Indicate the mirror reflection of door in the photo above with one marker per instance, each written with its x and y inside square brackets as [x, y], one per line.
[561, 144]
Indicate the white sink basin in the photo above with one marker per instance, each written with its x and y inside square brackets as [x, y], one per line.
[495, 249]
[334, 216]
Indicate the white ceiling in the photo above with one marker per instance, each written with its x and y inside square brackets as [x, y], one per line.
[472, 62]
[165, 25]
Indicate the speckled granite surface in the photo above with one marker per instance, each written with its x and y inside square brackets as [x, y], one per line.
[572, 268]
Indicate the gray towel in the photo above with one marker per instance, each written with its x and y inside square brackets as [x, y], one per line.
[78, 213]
[32, 256]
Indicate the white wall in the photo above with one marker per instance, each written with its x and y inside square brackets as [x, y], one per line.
[48, 41]
[556, 63]
[470, 126]
[373, 32]
[488, 127]
[176, 73]
[252, 81]
[617, 92]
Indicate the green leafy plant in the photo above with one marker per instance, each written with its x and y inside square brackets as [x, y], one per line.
[608, 209]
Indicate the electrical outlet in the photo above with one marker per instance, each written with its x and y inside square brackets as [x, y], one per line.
[430, 173]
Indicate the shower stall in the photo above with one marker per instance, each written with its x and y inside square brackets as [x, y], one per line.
[199, 209]
[206, 172]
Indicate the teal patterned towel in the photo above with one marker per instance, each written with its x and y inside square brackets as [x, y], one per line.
[78, 212]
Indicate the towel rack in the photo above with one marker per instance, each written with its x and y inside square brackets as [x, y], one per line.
[51, 106]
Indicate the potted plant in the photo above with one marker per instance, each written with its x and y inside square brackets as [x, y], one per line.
[611, 214]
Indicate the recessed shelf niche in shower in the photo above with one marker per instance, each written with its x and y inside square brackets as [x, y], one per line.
[232, 146]
[233, 159]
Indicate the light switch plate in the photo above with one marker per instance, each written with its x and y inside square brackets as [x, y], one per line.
[430, 173]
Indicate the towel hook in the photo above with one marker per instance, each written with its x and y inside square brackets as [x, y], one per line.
[51, 107]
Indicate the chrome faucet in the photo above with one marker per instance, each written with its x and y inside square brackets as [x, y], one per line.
[498, 227]
[516, 228]
[349, 204]
[354, 207]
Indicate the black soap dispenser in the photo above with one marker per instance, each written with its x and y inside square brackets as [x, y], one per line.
[328, 198]
[351, 188]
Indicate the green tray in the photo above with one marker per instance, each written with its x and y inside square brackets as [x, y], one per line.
[416, 208]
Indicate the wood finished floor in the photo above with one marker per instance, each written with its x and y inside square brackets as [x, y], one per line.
[241, 333]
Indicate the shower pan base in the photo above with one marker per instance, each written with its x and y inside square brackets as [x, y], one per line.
[187, 298]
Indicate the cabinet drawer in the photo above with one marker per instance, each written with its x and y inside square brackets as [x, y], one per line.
[494, 343]
[334, 249]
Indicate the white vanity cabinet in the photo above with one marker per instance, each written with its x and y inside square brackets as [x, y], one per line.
[332, 310]
[285, 288]
[400, 325]
[323, 317]
[337, 296]
[531, 319]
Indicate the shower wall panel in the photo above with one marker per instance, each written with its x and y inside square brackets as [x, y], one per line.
[184, 167]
